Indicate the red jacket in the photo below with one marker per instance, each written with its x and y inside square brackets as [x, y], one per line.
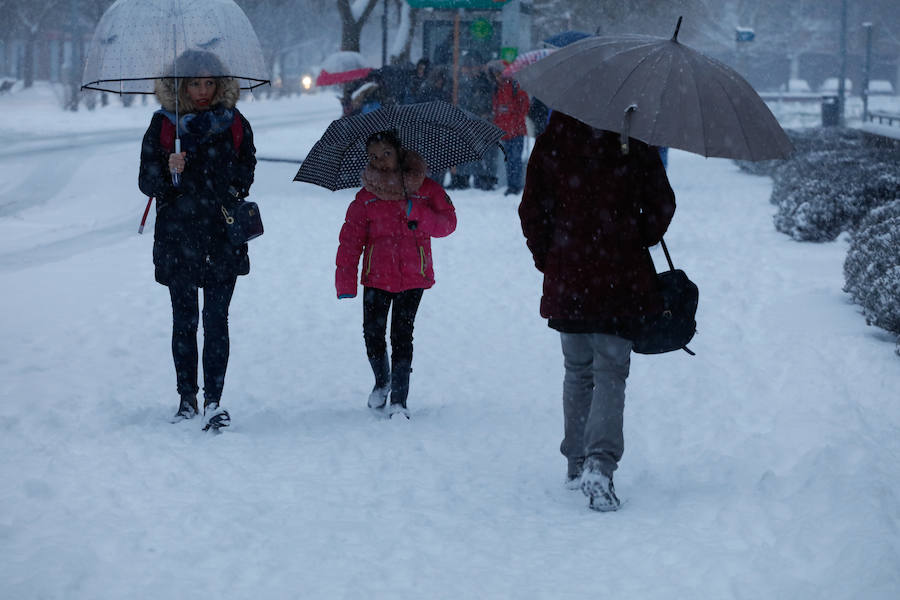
[510, 109]
[395, 257]
[589, 213]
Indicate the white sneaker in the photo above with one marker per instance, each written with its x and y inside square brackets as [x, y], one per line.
[397, 411]
[599, 489]
[573, 474]
[216, 418]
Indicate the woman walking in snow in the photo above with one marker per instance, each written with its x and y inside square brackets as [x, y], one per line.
[390, 224]
[190, 246]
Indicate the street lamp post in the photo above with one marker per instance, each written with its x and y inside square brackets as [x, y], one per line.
[843, 69]
[74, 57]
[384, 27]
[866, 71]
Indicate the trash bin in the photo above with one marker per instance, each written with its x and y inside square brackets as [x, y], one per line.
[831, 114]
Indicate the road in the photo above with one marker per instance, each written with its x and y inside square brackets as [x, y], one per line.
[54, 203]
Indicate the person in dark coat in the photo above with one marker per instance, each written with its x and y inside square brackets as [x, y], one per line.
[476, 95]
[191, 250]
[417, 80]
[437, 87]
[589, 213]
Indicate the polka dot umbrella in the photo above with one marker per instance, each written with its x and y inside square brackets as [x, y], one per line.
[443, 134]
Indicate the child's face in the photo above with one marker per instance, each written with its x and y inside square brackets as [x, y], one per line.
[382, 156]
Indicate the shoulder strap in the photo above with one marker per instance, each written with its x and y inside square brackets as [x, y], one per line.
[668, 258]
[167, 135]
[237, 132]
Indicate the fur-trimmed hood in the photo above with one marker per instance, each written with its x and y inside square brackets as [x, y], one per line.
[387, 185]
[228, 92]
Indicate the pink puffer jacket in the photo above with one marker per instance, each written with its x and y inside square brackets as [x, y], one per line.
[395, 257]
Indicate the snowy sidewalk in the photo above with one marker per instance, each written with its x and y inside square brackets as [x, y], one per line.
[766, 466]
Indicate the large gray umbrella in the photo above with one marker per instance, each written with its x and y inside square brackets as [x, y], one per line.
[661, 92]
[137, 41]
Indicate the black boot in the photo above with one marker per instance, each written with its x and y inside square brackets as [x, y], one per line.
[216, 418]
[399, 388]
[187, 409]
[382, 370]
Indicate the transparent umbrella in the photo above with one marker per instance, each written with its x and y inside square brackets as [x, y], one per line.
[137, 41]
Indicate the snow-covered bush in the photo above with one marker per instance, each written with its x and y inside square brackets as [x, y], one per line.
[831, 183]
[872, 267]
[806, 141]
[759, 167]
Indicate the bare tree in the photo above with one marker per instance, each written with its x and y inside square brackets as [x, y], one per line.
[33, 16]
[353, 17]
[407, 18]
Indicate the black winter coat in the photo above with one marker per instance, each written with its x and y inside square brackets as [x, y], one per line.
[190, 245]
[476, 95]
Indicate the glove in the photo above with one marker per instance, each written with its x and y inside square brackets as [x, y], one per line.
[342, 296]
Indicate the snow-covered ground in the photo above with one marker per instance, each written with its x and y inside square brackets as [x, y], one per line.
[768, 466]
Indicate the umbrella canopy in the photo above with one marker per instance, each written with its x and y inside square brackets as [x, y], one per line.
[443, 134]
[565, 38]
[137, 42]
[343, 67]
[661, 92]
[523, 60]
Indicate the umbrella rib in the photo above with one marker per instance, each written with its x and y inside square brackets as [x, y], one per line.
[661, 56]
[699, 104]
[630, 73]
[735, 111]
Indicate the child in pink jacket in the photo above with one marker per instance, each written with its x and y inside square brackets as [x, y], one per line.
[390, 224]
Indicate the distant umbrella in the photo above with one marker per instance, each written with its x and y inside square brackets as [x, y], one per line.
[565, 38]
[523, 60]
[661, 92]
[443, 134]
[343, 67]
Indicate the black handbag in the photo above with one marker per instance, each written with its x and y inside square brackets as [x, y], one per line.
[243, 222]
[676, 325]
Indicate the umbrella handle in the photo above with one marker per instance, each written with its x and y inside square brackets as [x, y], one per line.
[176, 177]
[626, 128]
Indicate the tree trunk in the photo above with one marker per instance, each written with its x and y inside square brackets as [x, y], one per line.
[28, 67]
[350, 27]
[403, 57]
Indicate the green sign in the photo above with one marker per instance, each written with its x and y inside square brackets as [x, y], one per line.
[455, 4]
[481, 29]
[509, 53]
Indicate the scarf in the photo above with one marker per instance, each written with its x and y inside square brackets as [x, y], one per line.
[195, 129]
[396, 185]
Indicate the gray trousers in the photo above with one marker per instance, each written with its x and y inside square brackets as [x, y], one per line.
[594, 396]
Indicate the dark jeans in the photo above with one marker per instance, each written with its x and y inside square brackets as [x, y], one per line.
[376, 304]
[514, 169]
[216, 298]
